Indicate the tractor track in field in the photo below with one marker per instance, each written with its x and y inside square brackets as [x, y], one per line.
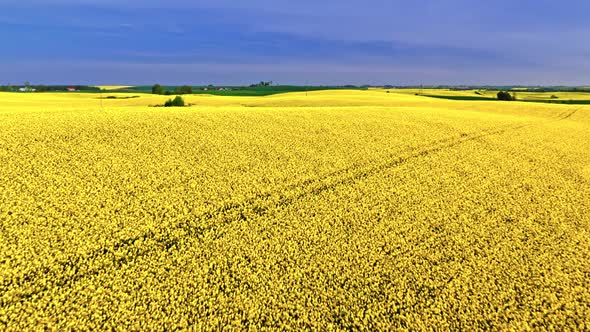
[568, 114]
[81, 265]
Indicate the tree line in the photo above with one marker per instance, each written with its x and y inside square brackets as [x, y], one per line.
[157, 89]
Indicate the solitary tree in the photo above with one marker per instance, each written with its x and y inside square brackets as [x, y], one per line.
[157, 89]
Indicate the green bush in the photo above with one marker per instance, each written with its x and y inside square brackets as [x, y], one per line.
[504, 95]
[176, 102]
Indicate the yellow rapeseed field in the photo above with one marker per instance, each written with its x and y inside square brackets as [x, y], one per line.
[339, 210]
[113, 87]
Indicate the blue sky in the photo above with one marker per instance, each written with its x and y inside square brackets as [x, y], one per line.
[295, 42]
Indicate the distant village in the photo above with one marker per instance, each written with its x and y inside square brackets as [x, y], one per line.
[47, 88]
